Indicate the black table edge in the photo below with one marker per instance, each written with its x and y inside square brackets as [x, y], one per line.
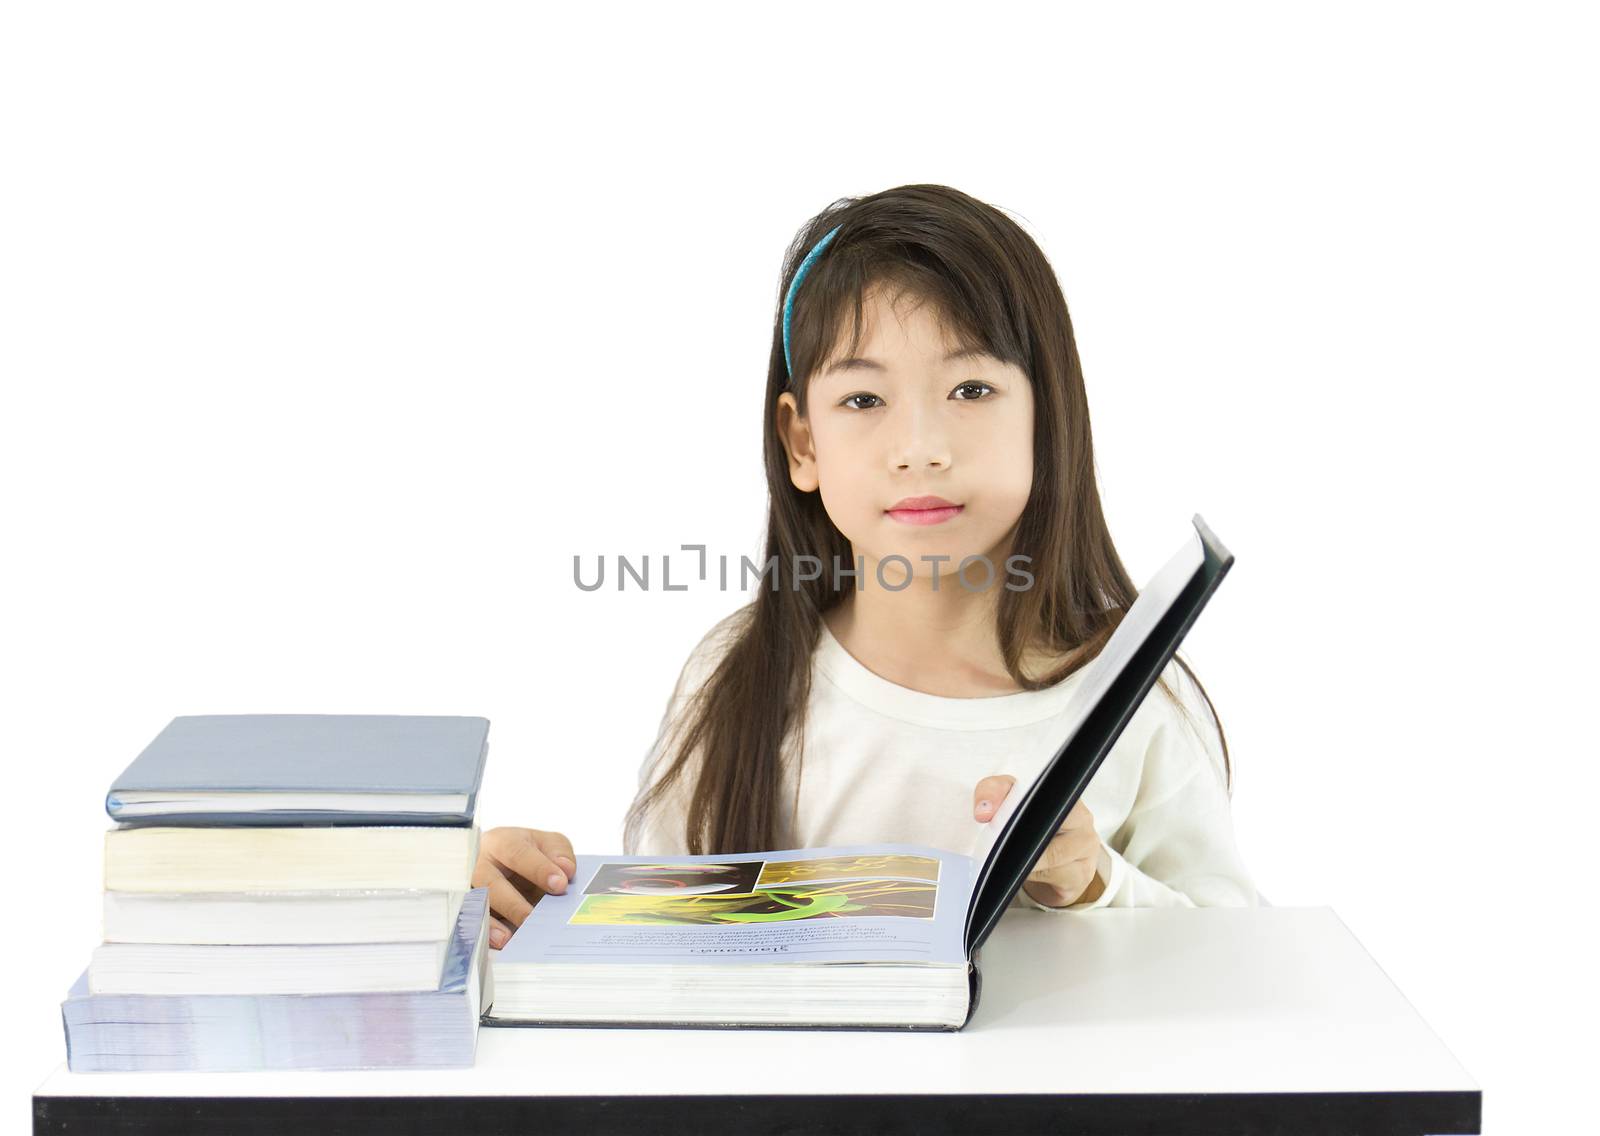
[967, 1114]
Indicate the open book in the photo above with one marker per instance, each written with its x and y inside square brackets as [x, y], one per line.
[883, 936]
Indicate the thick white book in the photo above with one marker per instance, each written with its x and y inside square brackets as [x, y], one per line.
[386, 916]
[198, 859]
[802, 937]
[432, 1028]
[277, 968]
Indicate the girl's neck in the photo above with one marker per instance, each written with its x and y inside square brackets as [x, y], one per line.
[940, 642]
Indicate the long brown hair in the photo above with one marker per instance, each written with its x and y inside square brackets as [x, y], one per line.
[994, 289]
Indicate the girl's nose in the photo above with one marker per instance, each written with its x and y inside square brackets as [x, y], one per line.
[922, 442]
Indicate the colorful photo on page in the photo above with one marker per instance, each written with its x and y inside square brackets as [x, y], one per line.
[667, 879]
[848, 868]
[846, 899]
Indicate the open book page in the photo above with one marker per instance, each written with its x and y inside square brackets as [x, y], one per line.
[880, 903]
[1148, 607]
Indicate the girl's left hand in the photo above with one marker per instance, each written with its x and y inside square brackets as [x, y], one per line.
[1065, 874]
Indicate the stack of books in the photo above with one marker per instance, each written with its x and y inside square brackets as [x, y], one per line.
[290, 891]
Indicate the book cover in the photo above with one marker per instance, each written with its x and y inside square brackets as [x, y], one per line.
[305, 769]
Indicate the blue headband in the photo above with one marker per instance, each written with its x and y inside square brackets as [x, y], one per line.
[788, 301]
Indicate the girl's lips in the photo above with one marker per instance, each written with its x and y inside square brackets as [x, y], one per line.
[924, 516]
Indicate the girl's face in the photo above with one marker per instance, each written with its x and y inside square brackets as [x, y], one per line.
[909, 416]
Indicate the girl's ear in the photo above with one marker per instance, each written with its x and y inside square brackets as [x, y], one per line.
[795, 433]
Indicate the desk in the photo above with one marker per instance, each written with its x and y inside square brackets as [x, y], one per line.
[1208, 1020]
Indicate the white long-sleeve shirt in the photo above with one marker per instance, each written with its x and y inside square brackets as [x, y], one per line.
[883, 763]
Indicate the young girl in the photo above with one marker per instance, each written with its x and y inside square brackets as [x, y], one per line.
[927, 444]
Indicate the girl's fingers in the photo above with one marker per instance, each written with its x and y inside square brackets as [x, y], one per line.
[504, 900]
[498, 932]
[559, 849]
[482, 869]
[529, 861]
[1078, 816]
[1063, 850]
[989, 793]
[1079, 823]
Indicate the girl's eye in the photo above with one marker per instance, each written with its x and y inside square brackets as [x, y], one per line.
[978, 388]
[852, 399]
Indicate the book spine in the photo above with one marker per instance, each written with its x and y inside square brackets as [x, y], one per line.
[974, 990]
[297, 819]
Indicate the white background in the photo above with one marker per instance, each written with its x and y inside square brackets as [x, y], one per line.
[332, 333]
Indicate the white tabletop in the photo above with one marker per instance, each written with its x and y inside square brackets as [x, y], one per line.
[1207, 1000]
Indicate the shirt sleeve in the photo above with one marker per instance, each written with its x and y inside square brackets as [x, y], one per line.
[1177, 846]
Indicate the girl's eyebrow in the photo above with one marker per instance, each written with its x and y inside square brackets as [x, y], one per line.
[856, 363]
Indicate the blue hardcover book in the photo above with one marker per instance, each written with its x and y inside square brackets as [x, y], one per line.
[216, 1032]
[305, 769]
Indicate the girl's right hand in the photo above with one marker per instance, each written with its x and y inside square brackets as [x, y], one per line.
[519, 866]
